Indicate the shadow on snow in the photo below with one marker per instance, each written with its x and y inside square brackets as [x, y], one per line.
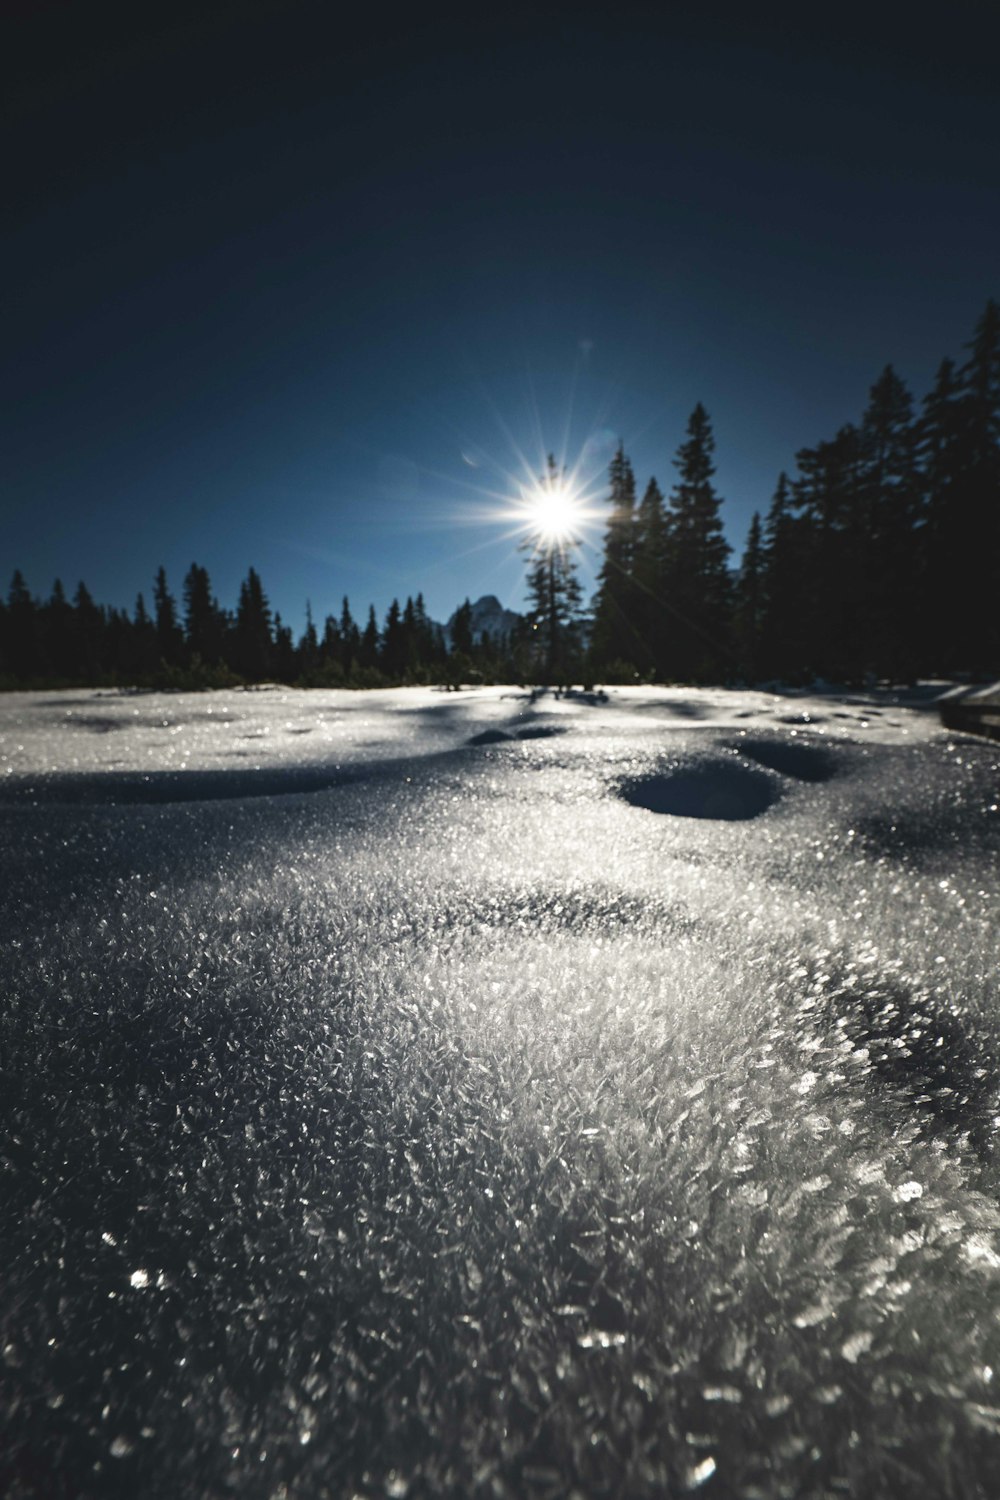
[724, 790]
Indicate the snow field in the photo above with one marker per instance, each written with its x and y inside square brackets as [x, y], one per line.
[469, 1130]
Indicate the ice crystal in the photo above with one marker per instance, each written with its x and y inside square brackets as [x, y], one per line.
[700, 1473]
[906, 1192]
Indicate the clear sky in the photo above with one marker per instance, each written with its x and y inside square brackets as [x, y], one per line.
[306, 292]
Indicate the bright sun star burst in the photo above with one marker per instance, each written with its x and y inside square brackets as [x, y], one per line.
[554, 512]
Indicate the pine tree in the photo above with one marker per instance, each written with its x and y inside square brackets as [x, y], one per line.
[253, 642]
[117, 645]
[89, 632]
[430, 645]
[785, 580]
[23, 653]
[411, 646]
[975, 561]
[957, 450]
[142, 658]
[652, 539]
[6, 669]
[369, 644]
[749, 609]
[58, 644]
[204, 623]
[616, 636]
[458, 667]
[554, 598]
[393, 652]
[350, 637]
[939, 440]
[697, 586]
[886, 556]
[308, 654]
[169, 639]
[461, 630]
[329, 666]
[829, 498]
[283, 658]
[319, 658]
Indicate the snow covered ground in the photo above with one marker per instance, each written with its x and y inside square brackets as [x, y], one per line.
[414, 1093]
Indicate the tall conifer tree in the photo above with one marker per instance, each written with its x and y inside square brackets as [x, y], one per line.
[829, 498]
[309, 651]
[204, 622]
[939, 439]
[253, 641]
[88, 631]
[749, 608]
[976, 565]
[461, 630]
[960, 459]
[393, 654]
[143, 657]
[697, 584]
[169, 639]
[649, 573]
[368, 646]
[23, 653]
[554, 597]
[615, 637]
[785, 581]
[350, 637]
[57, 633]
[283, 660]
[887, 597]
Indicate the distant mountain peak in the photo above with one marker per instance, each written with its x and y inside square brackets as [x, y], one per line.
[488, 616]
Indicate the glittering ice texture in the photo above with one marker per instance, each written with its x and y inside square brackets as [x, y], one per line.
[411, 1093]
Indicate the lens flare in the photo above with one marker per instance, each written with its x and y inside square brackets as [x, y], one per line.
[534, 497]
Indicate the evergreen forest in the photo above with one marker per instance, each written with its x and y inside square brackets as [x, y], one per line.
[877, 559]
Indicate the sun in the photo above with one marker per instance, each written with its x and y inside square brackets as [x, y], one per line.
[553, 512]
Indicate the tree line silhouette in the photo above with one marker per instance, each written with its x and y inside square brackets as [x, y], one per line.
[199, 644]
[879, 557]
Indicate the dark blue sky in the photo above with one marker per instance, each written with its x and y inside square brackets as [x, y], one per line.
[292, 291]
